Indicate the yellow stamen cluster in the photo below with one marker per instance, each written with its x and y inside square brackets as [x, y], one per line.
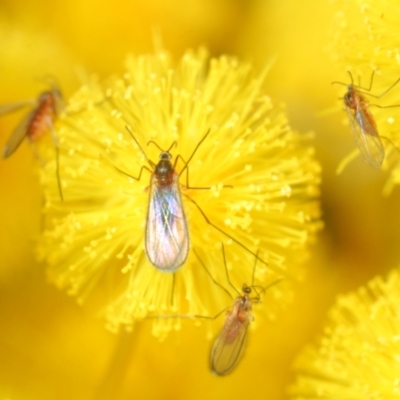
[262, 182]
[358, 356]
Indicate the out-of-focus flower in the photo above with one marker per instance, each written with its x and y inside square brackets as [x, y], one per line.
[365, 39]
[262, 180]
[358, 356]
[122, 26]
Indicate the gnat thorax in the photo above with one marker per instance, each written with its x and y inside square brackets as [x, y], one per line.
[164, 171]
[353, 98]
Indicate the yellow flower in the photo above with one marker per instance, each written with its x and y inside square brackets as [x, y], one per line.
[262, 185]
[365, 40]
[357, 357]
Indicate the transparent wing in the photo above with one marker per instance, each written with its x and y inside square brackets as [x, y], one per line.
[228, 346]
[11, 107]
[366, 136]
[167, 237]
[18, 135]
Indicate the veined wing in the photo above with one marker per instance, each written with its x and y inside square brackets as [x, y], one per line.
[366, 136]
[167, 236]
[18, 135]
[229, 345]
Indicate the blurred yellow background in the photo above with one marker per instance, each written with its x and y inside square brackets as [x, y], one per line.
[50, 348]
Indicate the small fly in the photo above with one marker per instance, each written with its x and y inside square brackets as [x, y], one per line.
[166, 233]
[36, 123]
[229, 345]
[362, 122]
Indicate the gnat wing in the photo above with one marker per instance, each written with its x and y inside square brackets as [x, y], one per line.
[11, 107]
[366, 136]
[228, 346]
[18, 135]
[167, 237]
